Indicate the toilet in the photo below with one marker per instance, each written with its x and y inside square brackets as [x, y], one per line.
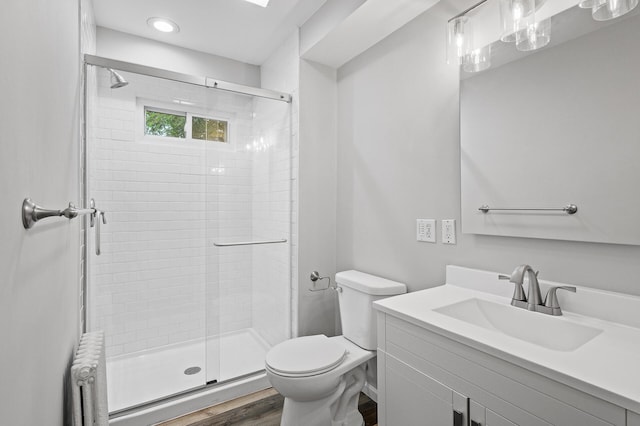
[321, 377]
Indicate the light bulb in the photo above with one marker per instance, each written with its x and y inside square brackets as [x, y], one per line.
[459, 39]
[517, 12]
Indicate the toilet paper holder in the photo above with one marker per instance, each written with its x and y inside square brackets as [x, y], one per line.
[315, 277]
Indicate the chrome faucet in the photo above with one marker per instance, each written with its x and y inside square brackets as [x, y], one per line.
[533, 301]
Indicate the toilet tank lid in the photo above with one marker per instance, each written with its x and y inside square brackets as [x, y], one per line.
[369, 284]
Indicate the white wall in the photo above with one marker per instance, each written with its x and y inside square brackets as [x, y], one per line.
[313, 159]
[126, 47]
[325, 20]
[39, 268]
[317, 188]
[398, 160]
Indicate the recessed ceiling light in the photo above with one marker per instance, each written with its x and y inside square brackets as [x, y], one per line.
[262, 3]
[163, 25]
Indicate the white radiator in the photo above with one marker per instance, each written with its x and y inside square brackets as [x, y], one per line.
[89, 376]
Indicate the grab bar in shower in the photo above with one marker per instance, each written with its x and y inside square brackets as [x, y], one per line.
[32, 213]
[250, 243]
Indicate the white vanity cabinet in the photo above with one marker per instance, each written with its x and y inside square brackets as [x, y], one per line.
[633, 419]
[417, 399]
[427, 379]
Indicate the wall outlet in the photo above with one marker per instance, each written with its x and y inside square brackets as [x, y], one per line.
[448, 231]
[426, 230]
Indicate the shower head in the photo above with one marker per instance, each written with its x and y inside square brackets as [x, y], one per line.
[117, 80]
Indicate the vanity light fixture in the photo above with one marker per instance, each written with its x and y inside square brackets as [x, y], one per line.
[163, 25]
[459, 39]
[516, 16]
[478, 60]
[518, 25]
[588, 4]
[460, 35]
[534, 36]
[263, 3]
[604, 10]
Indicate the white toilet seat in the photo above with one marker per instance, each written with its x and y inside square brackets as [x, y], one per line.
[305, 356]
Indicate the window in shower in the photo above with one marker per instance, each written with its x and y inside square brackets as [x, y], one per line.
[209, 129]
[184, 125]
[165, 123]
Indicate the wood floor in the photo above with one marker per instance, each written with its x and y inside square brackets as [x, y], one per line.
[262, 408]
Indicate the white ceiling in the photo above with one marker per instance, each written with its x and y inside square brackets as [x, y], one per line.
[234, 29]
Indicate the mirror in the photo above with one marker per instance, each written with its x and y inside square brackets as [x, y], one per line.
[557, 126]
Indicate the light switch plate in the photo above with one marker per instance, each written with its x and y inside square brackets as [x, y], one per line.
[448, 231]
[426, 230]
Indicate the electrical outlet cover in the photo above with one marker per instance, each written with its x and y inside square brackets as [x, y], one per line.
[448, 231]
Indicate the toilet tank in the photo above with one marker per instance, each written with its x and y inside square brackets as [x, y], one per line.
[357, 293]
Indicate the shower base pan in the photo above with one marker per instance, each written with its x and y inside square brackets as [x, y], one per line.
[144, 377]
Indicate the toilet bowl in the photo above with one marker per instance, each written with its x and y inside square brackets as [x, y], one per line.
[321, 377]
[325, 385]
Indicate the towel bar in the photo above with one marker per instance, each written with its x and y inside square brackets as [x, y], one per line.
[569, 209]
[249, 243]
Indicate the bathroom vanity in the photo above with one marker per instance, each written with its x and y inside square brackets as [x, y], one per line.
[460, 354]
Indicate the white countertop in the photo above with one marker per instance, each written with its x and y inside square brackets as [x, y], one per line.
[607, 367]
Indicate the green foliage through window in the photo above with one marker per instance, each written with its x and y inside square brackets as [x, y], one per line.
[165, 124]
[209, 129]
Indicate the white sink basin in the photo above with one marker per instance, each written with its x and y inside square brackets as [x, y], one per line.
[543, 330]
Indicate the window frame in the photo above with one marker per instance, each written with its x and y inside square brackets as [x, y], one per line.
[227, 134]
[168, 112]
[142, 105]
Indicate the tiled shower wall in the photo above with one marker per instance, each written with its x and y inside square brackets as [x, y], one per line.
[159, 279]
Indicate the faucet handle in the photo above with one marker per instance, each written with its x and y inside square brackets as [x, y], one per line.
[551, 300]
[518, 291]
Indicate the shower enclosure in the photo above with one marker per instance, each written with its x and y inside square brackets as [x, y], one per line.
[192, 285]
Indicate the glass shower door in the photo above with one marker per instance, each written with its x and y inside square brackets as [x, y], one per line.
[249, 251]
[147, 288]
[193, 285]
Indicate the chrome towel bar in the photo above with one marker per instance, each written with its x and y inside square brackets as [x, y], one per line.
[568, 209]
[250, 243]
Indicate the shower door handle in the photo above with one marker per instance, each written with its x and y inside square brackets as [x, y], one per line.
[96, 218]
[100, 217]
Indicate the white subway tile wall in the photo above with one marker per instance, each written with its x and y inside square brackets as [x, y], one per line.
[160, 280]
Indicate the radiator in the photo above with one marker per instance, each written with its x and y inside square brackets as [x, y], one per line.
[89, 377]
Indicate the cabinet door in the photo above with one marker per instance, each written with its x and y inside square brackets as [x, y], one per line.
[481, 416]
[413, 399]
[477, 414]
[494, 419]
